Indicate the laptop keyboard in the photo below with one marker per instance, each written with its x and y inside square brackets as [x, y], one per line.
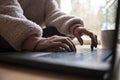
[84, 54]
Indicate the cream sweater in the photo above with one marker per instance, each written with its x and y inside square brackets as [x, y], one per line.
[21, 18]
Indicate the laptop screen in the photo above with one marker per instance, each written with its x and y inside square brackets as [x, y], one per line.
[115, 54]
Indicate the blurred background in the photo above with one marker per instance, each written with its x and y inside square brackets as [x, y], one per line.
[96, 14]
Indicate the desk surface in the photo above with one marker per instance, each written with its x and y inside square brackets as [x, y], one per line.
[14, 73]
[8, 72]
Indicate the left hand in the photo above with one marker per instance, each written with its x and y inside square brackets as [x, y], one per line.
[80, 31]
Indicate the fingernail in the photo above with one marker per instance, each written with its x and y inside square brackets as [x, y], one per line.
[91, 48]
[96, 46]
[81, 43]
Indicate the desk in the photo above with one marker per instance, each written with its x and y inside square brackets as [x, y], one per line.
[8, 72]
[14, 73]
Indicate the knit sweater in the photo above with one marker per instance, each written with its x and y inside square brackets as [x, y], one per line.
[21, 18]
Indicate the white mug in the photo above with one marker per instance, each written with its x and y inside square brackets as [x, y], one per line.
[107, 37]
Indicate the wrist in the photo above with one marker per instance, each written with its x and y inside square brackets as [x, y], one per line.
[30, 42]
[73, 27]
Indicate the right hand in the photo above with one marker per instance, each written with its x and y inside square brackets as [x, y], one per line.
[55, 44]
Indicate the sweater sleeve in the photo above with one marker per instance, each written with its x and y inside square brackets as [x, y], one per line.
[58, 19]
[14, 26]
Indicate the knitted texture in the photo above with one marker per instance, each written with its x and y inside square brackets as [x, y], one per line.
[21, 18]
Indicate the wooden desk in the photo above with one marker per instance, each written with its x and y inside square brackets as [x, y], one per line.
[8, 72]
[14, 73]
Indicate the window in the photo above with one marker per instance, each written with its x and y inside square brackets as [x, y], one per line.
[95, 14]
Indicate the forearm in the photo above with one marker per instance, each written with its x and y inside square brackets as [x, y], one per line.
[60, 20]
[14, 27]
[16, 30]
[11, 8]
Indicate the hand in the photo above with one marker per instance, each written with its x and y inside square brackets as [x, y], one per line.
[80, 31]
[55, 43]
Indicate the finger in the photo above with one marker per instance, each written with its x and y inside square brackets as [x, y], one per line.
[66, 41]
[92, 36]
[59, 49]
[73, 45]
[94, 40]
[67, 48]
[78, 35]
[45, 46]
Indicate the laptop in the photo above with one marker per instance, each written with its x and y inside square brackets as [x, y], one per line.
[96, 63]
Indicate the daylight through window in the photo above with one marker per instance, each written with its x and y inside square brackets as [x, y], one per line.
[95, 14]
